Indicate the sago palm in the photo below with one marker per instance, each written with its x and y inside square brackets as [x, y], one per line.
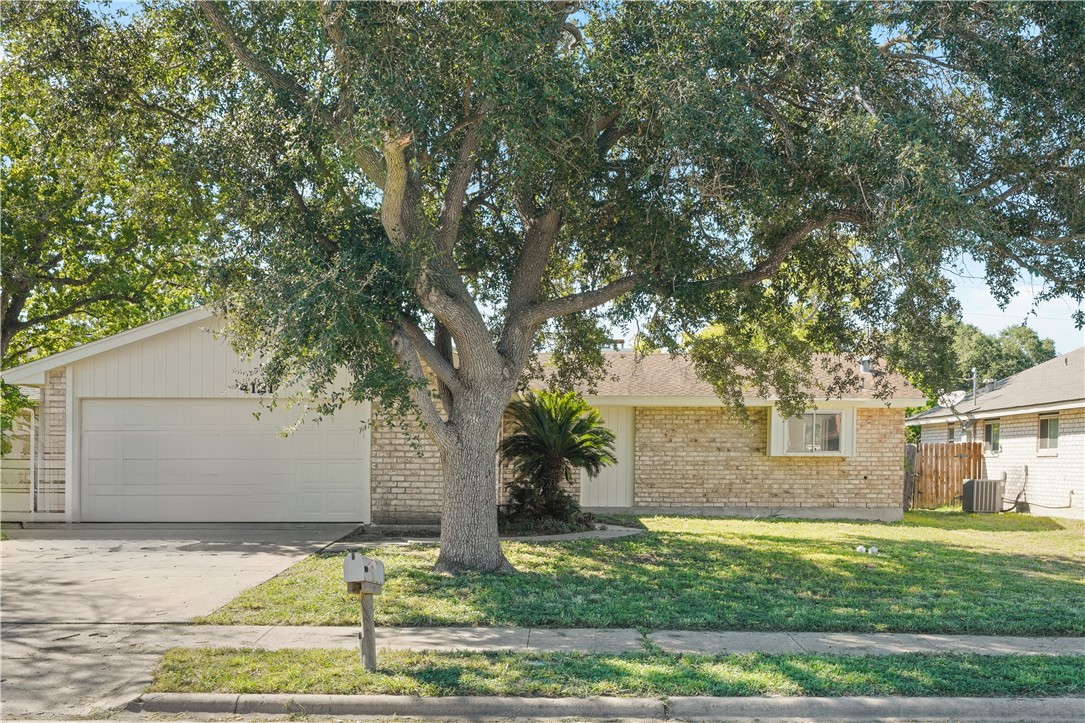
[556, 434]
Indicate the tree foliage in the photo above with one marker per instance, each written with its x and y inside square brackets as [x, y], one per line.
[556, 435]
[997, 356]
[799, 174]
[453, 186]
[98, 228]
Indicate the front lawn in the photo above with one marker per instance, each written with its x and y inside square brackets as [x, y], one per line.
[937, 572]
[338, 672]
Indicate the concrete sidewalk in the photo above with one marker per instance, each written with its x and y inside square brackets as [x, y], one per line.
[28, 640]
[81, 669]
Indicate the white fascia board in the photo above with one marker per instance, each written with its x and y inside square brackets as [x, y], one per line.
[996, 413]
[32, 374]
[614, 401]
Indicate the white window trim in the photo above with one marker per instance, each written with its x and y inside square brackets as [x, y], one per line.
[1047, 451]
[993, 451]
[778, 434]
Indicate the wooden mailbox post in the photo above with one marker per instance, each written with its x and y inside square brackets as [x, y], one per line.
[365, 577]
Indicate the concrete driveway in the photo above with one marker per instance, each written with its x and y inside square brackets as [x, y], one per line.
[66, 585]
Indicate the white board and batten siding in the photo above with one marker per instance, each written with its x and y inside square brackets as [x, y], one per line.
[167, 435]
[189, 362]
[614, 485]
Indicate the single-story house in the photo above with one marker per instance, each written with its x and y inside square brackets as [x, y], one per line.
[158, 424]
[1032, 426]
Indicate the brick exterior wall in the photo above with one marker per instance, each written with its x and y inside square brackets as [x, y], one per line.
[1055, 483]
[697, 457]
[505, 475]
[406, 478]
[700, 457]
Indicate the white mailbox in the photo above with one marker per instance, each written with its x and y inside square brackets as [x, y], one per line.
[364, 577]
[359, 568]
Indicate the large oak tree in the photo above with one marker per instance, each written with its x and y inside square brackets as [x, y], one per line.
[402, 187]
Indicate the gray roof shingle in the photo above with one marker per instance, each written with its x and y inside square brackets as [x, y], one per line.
[661, 375]
[1057, 381]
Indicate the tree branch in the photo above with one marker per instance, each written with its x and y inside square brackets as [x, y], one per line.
[420, 393]
[299, 201]
[1056, 240]
[770, 265]
[762, 100]
[442, 342]
[431, 355]
[456, 190]
[395, 189]
[76, 306]
[366, 158]
[276, 79]
[156, 108]
[1044, 167]
[583, 301]
[540, 235]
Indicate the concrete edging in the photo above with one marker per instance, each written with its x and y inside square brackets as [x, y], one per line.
[878, 708]
[401, 705]
[681, 708]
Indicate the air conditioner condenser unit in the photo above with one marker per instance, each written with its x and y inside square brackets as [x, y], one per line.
[982, 495]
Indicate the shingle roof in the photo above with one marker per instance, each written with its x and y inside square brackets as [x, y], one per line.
[1058, 381]
[661, 375]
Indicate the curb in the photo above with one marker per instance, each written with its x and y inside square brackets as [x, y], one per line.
[399, 705]
[680, 708]
[879, 708]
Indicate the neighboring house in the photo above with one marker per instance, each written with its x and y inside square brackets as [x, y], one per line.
[1032, 426]
[158, 424]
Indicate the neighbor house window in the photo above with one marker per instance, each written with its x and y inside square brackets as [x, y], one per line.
[949, 434]
[990, 437]
[815, 432]
[1049, 433]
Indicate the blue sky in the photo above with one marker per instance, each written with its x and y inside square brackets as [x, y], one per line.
[1051, 319]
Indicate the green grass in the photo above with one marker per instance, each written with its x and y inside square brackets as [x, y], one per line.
[938, 572]
[338, 672]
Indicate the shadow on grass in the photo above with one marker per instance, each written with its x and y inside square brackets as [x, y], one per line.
[655, 674]
[666, 580]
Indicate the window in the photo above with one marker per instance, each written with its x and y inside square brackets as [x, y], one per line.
[814, 432]
[949, 434]
[1049, 434]
[990, 437]
[828, 432]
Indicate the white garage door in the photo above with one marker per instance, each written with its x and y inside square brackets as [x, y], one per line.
[209, 460]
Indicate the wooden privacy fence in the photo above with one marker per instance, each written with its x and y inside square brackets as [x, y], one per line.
[940, 471]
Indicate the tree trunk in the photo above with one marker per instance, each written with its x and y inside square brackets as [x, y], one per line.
[469, 539]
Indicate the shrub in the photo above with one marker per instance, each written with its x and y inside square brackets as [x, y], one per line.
[556, 434]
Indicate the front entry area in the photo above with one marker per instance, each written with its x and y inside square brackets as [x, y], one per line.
[614, 485]
[211, 460]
